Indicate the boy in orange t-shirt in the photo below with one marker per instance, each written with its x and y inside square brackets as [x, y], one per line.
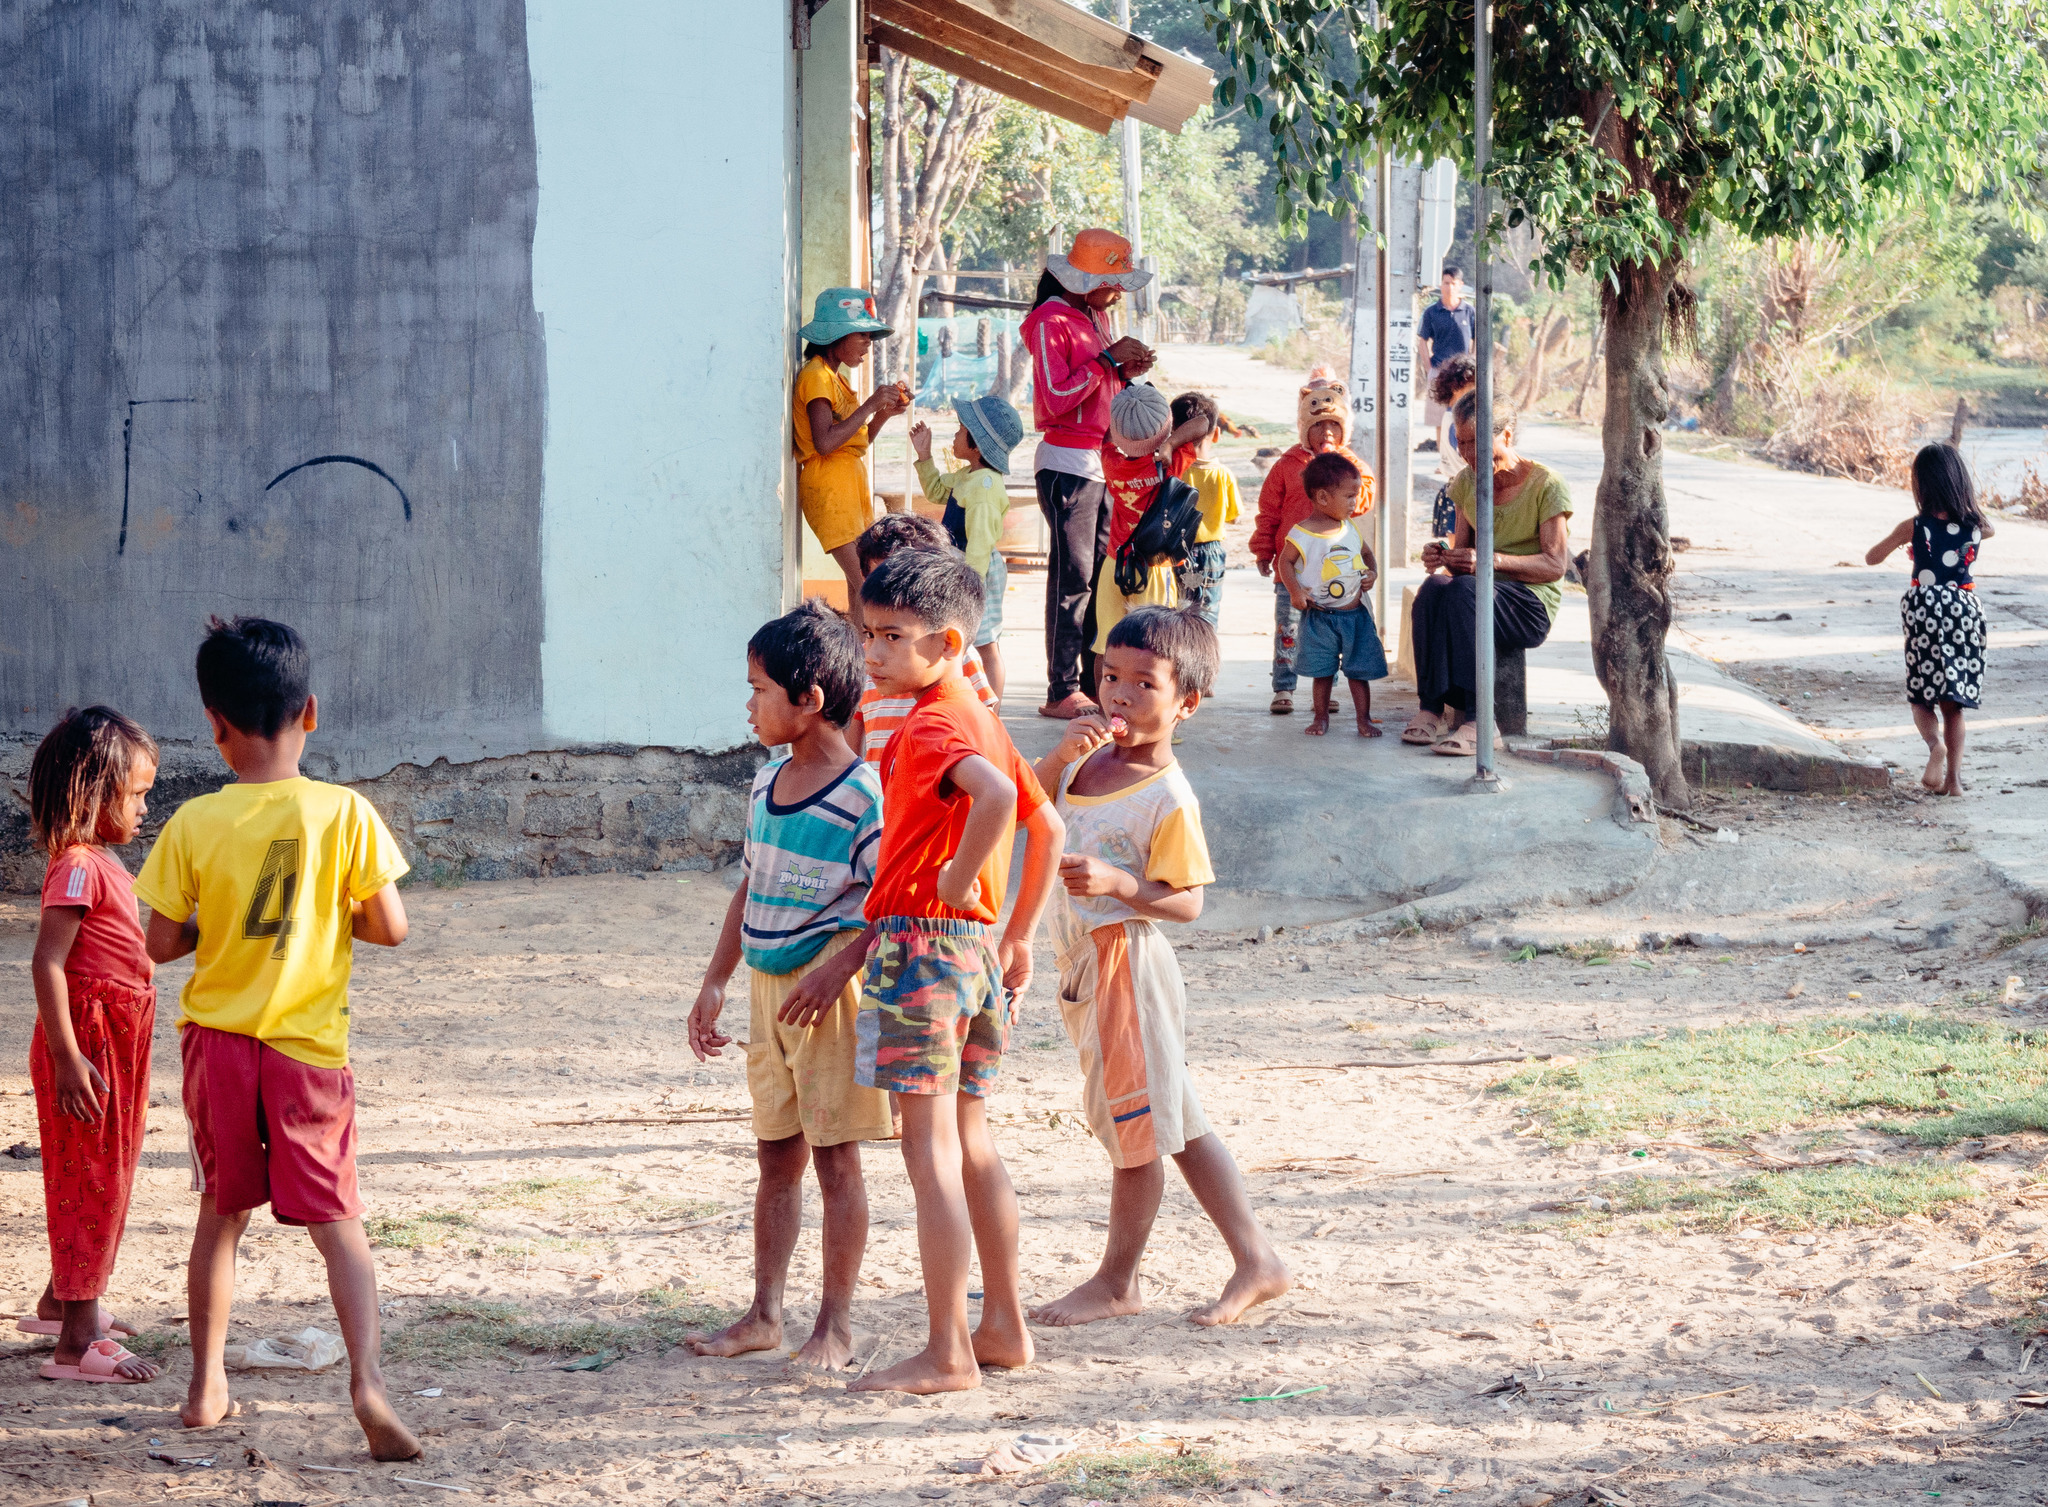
[938, 1001]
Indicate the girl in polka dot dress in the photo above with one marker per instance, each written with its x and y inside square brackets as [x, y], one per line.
[1944, 626]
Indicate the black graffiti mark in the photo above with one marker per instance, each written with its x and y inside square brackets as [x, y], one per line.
[348, 460]
[127, 453]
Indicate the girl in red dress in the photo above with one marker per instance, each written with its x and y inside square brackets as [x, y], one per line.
[95, 1012]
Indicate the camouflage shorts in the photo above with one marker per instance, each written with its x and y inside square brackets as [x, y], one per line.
[934, 1017]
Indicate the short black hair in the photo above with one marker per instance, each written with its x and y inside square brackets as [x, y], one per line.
[894, 531]
[1467, 412]
[938, 585]
[1452, 378]
[1179, 635]
[813, 648]
[255, 673]
[1188, 404]
[1329, 470]
[1452, 269]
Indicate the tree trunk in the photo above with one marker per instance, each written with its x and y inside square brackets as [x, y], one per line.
[1629, 586]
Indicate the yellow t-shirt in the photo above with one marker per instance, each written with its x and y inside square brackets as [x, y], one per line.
[820, 379]
[1217, 488]
[270, 870]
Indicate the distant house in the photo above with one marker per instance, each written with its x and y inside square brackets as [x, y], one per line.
[460, 337]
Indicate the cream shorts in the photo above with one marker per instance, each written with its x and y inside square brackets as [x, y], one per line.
[801, 1077]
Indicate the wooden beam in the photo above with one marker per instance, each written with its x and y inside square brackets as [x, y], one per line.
[1067, 86]
[1082, 37]
[977, 72]
[952, 24]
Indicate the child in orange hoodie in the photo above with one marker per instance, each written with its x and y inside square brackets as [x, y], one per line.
[1323, 416]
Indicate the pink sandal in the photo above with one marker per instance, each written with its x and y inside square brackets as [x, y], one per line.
[108, 1326]
[100, 1363]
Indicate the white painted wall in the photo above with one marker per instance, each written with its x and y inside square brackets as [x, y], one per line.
[663, 269]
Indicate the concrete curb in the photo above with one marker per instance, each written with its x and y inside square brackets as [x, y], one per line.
[1731, 734]
[1634, 800]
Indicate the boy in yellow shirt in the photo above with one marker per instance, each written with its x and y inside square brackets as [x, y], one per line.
[1201, 574]
[269, 880]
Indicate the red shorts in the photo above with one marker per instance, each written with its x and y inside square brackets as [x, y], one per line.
[269, 1129]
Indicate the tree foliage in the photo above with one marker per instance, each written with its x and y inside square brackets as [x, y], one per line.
[1623, 128]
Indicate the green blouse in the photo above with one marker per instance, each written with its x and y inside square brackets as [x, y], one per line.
[1518, 525]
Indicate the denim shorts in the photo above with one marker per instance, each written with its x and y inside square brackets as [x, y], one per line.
[1347, 637]
[993, 585]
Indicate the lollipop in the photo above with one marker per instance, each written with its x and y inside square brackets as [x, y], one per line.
[1118, 727]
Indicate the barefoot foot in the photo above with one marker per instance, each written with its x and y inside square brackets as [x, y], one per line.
[921, 1376]
[751, 1331]
[1367, 728]
[825, 1350]
[1259, 1282]
[1003, 1342]
[388, 1438]
[1092, 1300]
[206, 1403]
[1936, 774]
[1318, 725]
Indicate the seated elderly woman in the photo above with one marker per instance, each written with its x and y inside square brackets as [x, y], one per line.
[1530, 506]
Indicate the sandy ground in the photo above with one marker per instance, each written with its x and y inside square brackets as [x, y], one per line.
[1414, 1217]
[1426, 1269]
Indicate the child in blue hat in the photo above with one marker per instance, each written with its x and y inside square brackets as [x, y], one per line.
[976, 500]
[834, 428]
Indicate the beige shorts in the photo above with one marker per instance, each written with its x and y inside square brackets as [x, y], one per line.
[801, 1077]
[1124, 1007]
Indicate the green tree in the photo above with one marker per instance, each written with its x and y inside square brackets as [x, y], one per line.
[1623, 129]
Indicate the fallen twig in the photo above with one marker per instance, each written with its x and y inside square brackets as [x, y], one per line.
[1815, 1052]
[664, 1120]
[1679, 1402]
[1430, 1061]
[1963, 1266]
[1691, 821]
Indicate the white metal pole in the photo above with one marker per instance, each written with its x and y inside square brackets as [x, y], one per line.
[1141, 302]
[1383, 385]
[1484, 775]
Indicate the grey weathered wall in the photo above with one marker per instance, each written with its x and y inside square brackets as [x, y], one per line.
[238, 236]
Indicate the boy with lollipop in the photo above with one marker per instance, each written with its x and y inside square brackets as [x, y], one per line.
[1135, 856]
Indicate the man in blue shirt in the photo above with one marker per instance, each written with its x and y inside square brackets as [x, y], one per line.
[1446, 332]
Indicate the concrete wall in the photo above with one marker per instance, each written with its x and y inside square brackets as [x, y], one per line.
[664, 269]
[456, 333]
[242, 237]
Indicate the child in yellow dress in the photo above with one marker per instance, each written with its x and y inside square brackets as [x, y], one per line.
[834, 429]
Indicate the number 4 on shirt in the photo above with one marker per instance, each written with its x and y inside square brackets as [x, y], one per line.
[280, 875]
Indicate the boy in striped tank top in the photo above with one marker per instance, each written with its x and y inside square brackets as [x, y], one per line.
[814, 826]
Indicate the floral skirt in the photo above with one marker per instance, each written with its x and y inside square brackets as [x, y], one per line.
[1944, 645]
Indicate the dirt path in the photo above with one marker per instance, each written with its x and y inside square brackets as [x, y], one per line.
[1428, 1268]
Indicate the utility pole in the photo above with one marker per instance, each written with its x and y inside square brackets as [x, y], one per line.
[1484, 777]
[1142, 300]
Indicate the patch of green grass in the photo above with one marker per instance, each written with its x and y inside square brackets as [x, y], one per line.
[2036, 926]
[1738, 1081]
[1113, 1475]
[468, 1330]
[666, 1210]
[530, 1245]
[1428, 1044]
[417, 1232]
[541, 1192]
[1806, 1198]
[155, 1344]
[2009, 1118]
[1528, 952]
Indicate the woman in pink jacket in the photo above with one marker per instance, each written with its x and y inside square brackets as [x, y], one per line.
[1076, 369]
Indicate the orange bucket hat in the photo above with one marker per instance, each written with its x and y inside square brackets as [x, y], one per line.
[1097, 259]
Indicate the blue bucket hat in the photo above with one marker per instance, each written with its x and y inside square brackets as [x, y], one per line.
[841, 312]
[994, 427]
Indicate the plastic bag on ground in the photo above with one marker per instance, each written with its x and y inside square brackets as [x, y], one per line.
[308, 1350]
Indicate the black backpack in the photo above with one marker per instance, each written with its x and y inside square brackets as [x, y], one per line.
[1165, 535]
